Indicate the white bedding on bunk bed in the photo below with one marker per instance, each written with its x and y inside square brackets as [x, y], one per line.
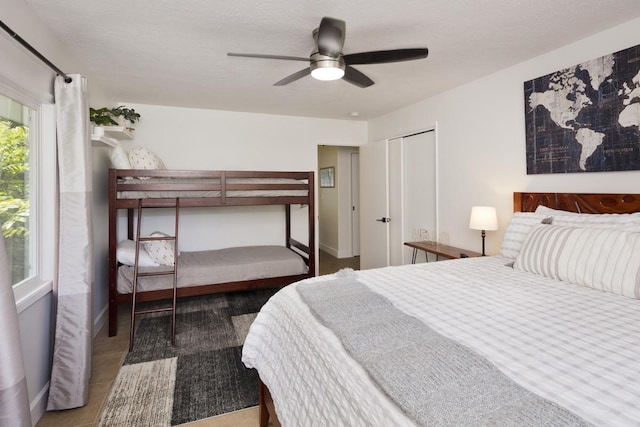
[219, 266]
[573, 345]
[232, 193]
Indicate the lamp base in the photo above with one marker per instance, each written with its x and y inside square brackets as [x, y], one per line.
[483, 236]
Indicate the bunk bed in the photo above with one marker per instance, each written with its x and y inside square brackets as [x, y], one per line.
[161, 188]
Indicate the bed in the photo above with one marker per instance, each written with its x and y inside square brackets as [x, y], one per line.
[213, 271]
[476, 341]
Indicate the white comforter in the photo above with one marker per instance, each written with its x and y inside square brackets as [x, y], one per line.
[575, 346]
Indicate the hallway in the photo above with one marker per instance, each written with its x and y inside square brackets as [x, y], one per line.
[330, 264]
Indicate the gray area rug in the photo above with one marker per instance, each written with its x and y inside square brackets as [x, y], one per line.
[202, 376]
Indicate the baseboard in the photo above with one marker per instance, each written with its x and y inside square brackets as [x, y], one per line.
[344, 253]
[38, 406]
[328, 249]
[100, 320]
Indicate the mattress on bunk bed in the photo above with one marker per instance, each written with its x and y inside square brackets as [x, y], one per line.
[215, 193]
[219, 266]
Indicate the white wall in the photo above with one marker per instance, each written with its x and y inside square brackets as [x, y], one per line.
[188, 138]
[481, 139]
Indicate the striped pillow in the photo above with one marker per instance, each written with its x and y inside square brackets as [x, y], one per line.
[627, 222]
[607, 260]
[519, 226]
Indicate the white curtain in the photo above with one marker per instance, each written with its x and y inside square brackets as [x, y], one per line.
[69, 386]
[14, 401]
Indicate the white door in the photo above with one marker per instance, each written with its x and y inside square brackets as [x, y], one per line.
[374, 202]
[355, 204]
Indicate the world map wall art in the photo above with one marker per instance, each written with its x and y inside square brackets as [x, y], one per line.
[585, 118]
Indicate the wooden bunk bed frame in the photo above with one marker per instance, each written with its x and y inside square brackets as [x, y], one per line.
[222, 182]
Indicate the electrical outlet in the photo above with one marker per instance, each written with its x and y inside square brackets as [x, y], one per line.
[424, 234]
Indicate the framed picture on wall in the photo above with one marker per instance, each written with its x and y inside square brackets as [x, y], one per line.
[327, 177]
[584, 118]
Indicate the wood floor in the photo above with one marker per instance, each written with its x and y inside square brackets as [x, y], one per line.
[108, 354]
[330, 264]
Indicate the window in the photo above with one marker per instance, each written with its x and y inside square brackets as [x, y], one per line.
[16, 124]
[28, 190]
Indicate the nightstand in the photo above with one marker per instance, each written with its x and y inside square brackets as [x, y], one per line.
[446, 251]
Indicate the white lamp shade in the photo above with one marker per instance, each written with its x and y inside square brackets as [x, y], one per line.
[483, 218]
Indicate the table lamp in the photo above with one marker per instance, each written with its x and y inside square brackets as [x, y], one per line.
[483, 218]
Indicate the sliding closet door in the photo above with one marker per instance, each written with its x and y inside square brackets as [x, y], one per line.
[398, 198]
[419, 191]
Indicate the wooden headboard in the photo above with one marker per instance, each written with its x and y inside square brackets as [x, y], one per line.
[578, 202]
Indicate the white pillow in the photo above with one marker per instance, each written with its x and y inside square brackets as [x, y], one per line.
[519, 226]
[143, 158]
[627, 222]
[119, 158]
[161, 251]
[603, 259]
[126, 254]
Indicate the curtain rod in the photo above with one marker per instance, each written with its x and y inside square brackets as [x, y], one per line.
[31, 49]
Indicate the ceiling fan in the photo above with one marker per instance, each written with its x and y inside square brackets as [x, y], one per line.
[327, 62]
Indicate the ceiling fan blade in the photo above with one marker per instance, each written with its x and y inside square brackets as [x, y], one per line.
[331, 34]
[258, 55]
[357, 78]
[293, 77]
[384, 56]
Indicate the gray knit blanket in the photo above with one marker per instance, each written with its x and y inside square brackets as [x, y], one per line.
[434, 380]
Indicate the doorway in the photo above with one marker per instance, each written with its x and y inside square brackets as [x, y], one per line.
[338, 208]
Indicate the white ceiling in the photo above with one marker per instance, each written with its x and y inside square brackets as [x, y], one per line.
[170, 52]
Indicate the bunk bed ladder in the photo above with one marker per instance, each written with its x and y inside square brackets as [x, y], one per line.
[136, 274]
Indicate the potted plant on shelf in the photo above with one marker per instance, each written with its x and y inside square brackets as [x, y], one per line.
[101, 117]
[125, 117]
[118, 116]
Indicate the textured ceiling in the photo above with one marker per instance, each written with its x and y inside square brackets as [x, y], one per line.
[170, 52]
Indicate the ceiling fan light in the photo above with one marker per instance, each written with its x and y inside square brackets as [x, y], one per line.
[327, 73]
[325, 67]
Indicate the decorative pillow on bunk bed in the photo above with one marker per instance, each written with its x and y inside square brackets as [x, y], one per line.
[599, 258]
[143, 158]
[120, 158]
[126, 254]
[519, 226]
[161, 251]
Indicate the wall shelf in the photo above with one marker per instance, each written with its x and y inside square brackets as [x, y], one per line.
[118, 132]
[110, 136]
[103, 141]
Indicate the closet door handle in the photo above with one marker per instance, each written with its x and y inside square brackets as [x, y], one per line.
[384, 219]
